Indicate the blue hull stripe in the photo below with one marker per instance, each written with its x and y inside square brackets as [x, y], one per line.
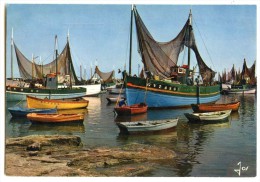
[154, 99]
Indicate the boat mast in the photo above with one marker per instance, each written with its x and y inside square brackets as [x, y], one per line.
[12, 50]
[56, 59]
[69, 57]
[189, 29]
[32, 66]
[130, 51]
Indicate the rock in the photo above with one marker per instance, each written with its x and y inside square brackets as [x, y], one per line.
[60, 155]
[34, 147]
[33, 153]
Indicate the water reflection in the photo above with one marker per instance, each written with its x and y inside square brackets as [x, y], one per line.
[138, 117]
[73, 111]
[58, 128]
[202, 149]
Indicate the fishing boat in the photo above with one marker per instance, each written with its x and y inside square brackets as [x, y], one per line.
[22, 112]
[55, 80]
[242, 83]
[165, 84]
[55, 118]
[208, 116]
[33, 102]
[215, 107]
[114, 99]
[241, 90]
[131, 110]
[147, 126]
[20, 93]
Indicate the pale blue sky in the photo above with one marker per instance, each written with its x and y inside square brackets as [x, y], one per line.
[100, 33]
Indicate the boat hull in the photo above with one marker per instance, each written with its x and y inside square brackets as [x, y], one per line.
[208, 116]
[91, 89]
[215, 107]
[241, 91]
[20, 93]
[131, 110]
[160, 94]
[55, 118]
[33, 102]
[114, 99]
[147, 126]
[22, 112]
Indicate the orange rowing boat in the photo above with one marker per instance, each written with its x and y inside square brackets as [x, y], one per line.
[131, 110]
[55, 118]
[215, 107]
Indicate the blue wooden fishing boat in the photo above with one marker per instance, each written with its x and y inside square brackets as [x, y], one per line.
[163, 83]
[22, 112]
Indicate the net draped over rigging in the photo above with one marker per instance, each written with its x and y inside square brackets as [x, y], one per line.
[107, 77]
[159, 57]
[30, 70]
[249, 72]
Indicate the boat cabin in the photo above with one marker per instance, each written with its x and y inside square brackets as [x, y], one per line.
[182, 74]
[51, 81]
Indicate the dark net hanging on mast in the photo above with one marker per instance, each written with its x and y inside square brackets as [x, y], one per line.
[29, 70]
[159, 57]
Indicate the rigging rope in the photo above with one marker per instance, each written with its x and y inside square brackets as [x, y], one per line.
[204, 45]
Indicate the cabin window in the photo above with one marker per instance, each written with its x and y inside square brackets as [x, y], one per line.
[181, 70]
[21, 89]
[37, 90]
[170, 88]
[165, 87]
[31, 90]
[160, 86]
[148, 84]
[14, 88]
[154, 85]
[50, 79]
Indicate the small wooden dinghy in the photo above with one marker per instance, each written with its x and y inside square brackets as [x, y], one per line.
[131, 110]
[147, 126]
[114, 99]
[208, 116]
[55, 118]
[22, 112]
[33, 102]
[215, 107]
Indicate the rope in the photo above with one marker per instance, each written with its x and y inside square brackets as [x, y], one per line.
[204, 44]
[120, 91]
[18, 102]
[145, 90]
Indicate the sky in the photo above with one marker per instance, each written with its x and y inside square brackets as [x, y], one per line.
[99, 33]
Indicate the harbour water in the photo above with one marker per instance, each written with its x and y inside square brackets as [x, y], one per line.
[226, 149]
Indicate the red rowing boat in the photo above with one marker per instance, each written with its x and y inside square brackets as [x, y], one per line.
[131, 110]
[215, 107]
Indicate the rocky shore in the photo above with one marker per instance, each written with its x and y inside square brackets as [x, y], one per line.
[62, 155]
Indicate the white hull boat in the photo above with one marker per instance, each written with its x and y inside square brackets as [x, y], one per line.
[147, 126]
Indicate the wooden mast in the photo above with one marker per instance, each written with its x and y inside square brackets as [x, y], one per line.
[12, 50]
[190, 24]
[69, 57]
[130, 48]
[56, 59]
